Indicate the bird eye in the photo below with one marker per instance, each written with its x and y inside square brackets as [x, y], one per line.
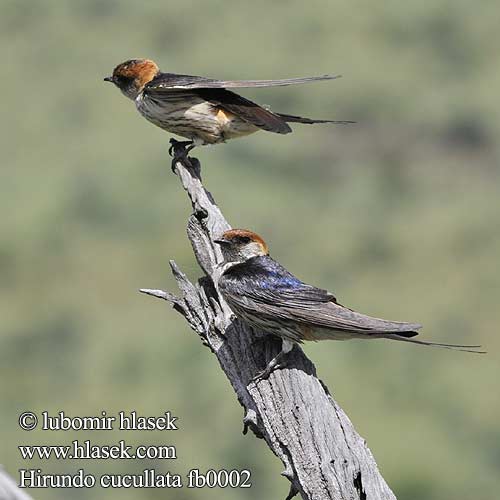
[244, 240]
[122, 79]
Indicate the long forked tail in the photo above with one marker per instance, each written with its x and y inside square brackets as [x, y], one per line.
[455, 347]
[300, 119]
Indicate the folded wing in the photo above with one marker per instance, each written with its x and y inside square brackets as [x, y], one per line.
[315, 307]
[225, 100]
[262, 286]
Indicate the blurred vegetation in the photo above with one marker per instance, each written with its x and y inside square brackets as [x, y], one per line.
[398, 215]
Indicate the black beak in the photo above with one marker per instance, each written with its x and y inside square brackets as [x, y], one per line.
[221, 242]
[108, 79]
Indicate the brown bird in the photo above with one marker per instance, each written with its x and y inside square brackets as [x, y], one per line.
[202, 109]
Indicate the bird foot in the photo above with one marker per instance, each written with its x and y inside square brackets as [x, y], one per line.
[179, 151]
[277, 363]
[264, 374]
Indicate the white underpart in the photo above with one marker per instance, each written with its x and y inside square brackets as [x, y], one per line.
[194, 118]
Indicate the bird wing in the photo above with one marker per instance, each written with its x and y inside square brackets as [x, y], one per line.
[262, 286]
[171, 81]
[337, 317]
[316, 308]
[247, 110]
[224, 99]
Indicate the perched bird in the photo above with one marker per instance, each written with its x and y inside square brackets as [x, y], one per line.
[268, 297]
[202, 109]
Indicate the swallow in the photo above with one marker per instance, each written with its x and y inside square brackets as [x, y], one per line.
[201, 109]
[265, 295]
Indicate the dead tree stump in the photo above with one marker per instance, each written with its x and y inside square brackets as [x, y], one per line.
[293, 411]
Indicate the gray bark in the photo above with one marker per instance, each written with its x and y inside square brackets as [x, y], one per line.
[9, 489]
[293, 411]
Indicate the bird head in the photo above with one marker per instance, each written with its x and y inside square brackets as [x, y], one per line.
[239, 245]
[131, 76]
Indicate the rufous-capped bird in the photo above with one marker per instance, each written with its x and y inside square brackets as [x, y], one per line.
[202, 109]
[263, 293]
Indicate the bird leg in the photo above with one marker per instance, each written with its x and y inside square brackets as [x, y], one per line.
[180, 148]
[179, 151]
[275, 363]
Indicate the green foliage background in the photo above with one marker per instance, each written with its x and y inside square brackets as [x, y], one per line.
[398, 215]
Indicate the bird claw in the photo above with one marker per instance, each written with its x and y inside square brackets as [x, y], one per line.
[179, 151]
[264, 374]
[277, 363]
[179, 148]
